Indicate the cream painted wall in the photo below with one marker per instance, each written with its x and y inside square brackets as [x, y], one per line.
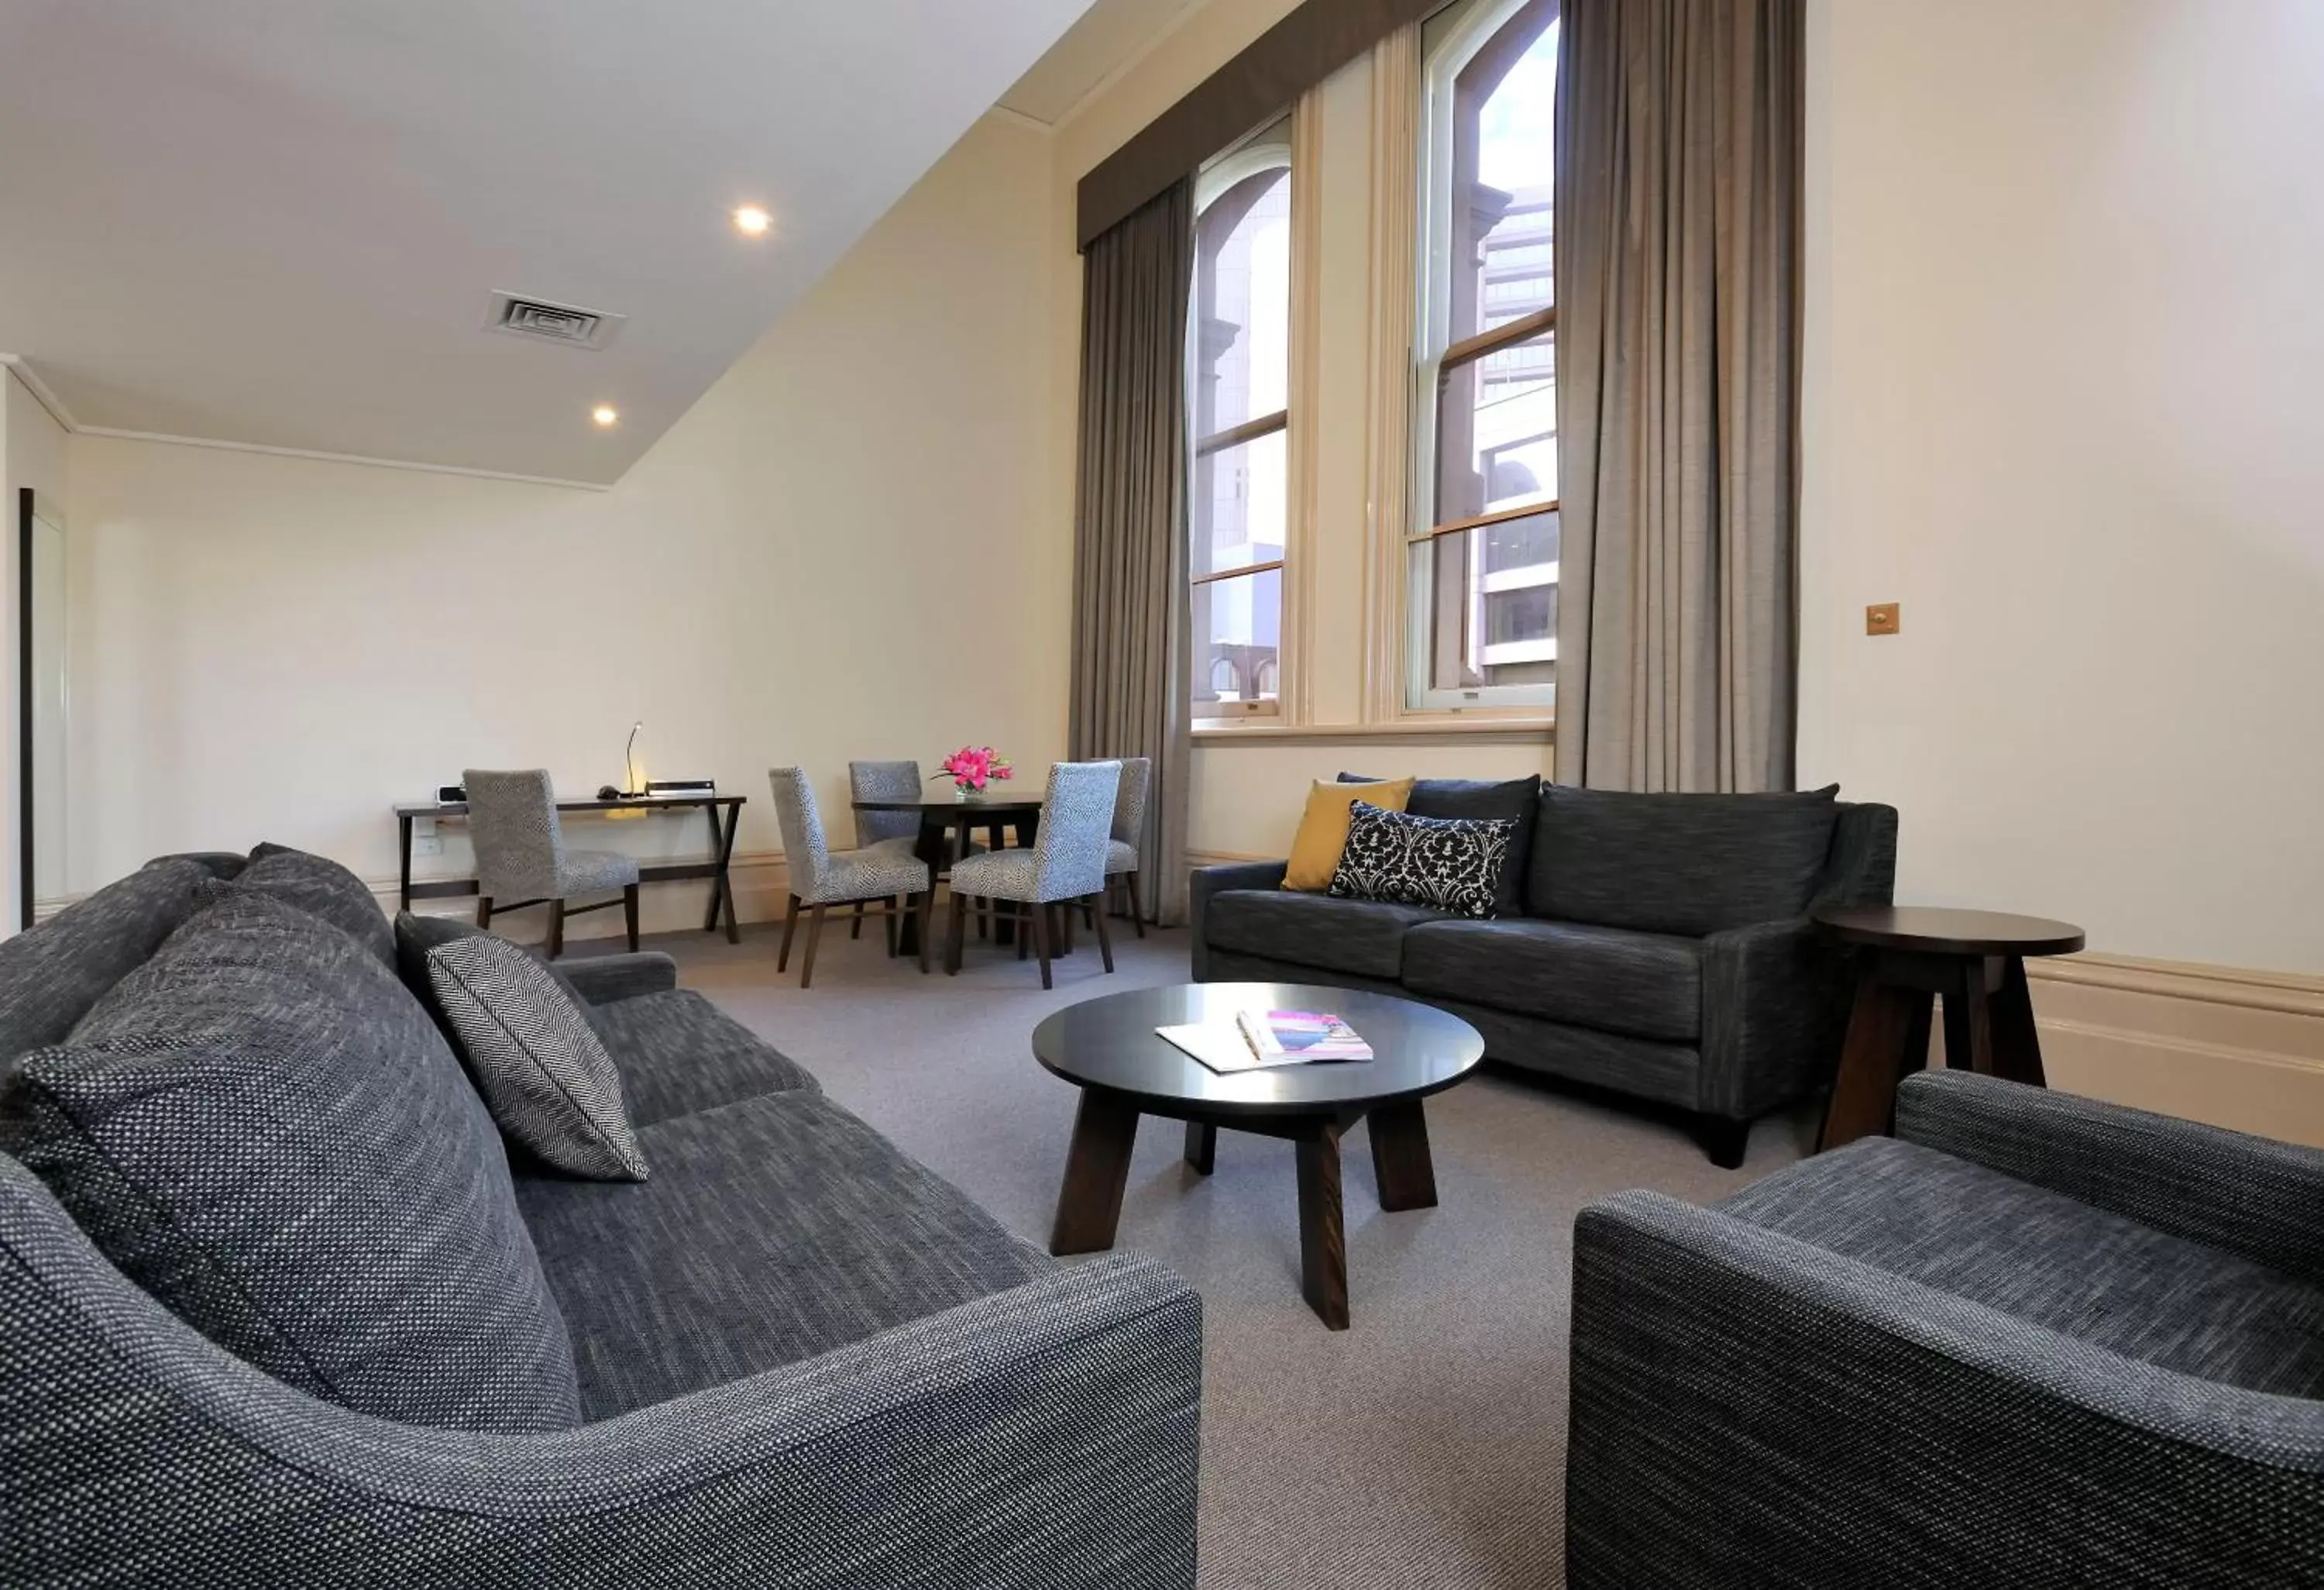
[2062, 403]
[840, 552]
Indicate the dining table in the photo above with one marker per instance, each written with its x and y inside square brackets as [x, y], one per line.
[948, 825]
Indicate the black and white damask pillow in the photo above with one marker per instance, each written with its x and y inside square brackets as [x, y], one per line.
[1453, 863]
[543, 1071]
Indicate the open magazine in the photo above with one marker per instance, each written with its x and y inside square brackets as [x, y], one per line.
[1257, 1039]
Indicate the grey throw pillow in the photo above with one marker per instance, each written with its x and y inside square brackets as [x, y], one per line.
[320, 887]
[1451, 863]
[543, 1071]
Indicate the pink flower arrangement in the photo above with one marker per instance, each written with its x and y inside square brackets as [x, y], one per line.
[970, 767]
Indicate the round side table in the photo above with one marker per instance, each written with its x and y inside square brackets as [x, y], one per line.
[1976, 960]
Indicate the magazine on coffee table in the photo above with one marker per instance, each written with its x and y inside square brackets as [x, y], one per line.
[1259, 1038]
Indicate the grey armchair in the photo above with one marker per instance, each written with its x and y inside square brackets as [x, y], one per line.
[2032, 1339]
[1065, 866]
[522, 860]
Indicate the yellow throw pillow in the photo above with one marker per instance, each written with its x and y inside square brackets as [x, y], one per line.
[1324, 829]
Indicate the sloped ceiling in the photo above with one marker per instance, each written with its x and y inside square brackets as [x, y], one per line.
[281, 222]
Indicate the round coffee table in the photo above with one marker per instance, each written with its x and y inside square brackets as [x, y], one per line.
[1108, 1049]
[1976, 960]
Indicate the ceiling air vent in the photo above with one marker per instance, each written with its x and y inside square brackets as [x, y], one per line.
[544, 321]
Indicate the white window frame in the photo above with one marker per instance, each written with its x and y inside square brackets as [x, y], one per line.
[1268, 149]
[1439, 67]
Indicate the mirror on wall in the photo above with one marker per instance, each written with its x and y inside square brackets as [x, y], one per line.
[41, 706]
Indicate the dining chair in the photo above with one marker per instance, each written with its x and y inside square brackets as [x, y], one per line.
[522, 860]
[886, 781]
[821, 878]
[1065, 866]
[1129, 827]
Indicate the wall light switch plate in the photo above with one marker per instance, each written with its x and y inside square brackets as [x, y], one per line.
[1883, 618]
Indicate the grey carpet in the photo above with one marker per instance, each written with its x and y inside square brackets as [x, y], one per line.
[1422, 1447]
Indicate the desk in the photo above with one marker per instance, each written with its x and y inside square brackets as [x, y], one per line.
[1021, 812]
[725, 816]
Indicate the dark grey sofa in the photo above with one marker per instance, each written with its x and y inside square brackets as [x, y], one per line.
[1655, 945]
[2031, 1340]
[798, 1357]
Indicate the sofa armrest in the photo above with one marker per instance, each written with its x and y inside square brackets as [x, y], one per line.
[605, 979]
[1043, 1436]
[1742, 1398]
[1860, 868]
[1775, 1008]
[2225, 1189]
[1207, 882]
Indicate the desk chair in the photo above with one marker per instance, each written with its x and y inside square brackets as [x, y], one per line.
[522, 860]
[1065, 865]
[821, 878]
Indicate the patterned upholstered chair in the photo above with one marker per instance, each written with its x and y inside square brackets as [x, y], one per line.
[899, 831]
[822, 878]
[1065, 865]
[522, 860]
[1128, 827]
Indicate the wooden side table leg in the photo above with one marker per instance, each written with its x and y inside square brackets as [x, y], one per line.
[1402, 1167]
[2016, 1042]
[1887, 1036]
[1969, 1019]
[1322, 1234]
[1202, 1146]
[1097, 1167]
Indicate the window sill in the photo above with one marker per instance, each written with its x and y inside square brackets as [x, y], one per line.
[1510, 730]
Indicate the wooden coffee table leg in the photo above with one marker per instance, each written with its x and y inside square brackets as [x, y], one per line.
[1097, 1167]
[1322, 1237]
[1202, 1145]
[1887, 1036]
[1401, 1167]
[2017, 1043]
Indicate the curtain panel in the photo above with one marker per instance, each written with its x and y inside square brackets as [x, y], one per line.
[1131, 665]
[1679, 154]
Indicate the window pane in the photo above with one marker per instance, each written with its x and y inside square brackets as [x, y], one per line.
[1237, 636]
[1241, 497]
[1493, 604]
[1504, 111]
[1496, 431]
[1241, 334]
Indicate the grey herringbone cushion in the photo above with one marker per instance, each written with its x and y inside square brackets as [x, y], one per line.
[1447, 863]
[322, 887]
[1677, 863]
[550, 1084]
[264, 1131]
[50, 974]
[774, 1230]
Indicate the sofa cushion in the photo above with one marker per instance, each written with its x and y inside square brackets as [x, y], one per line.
[1323, 830]
[263, 1130]
[1365, 937]
[1677, 863]
[773, 1230]
[2060, 1264]
[1642, 985]
[1482, 799]
[678, 1053]
[322, 887]
[543, 1071]
[51, 973]
[1447, 863]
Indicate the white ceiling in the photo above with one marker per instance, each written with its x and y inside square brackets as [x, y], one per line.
[1109, 34]
[279, 222]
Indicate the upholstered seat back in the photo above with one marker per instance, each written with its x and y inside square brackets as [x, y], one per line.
[1076, 823]
[806, 853]
[885, 781]
[520, 844]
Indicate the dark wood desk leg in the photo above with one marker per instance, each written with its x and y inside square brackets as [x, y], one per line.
[404, 838]
[1402, 1167]
[1323, 1236]
[1202, 1146]
[2016, 1041]
[722, 884]
[1887, 1036]
[1097, 1167]
[1969, 1019]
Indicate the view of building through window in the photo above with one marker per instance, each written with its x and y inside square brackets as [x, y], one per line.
[1237, 392]
[1485, 552]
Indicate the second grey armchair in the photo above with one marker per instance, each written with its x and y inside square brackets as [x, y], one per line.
[522, 860]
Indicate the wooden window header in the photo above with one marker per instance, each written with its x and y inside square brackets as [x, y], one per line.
[1290, 58]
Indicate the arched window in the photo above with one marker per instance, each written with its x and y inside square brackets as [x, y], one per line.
[1483, 625]
[1237, 399]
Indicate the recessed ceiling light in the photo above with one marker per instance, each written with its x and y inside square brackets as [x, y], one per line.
[606, 415]
[751, 221]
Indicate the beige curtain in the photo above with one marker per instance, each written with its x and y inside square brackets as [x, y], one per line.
[1679, 150]
[1129, 663]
